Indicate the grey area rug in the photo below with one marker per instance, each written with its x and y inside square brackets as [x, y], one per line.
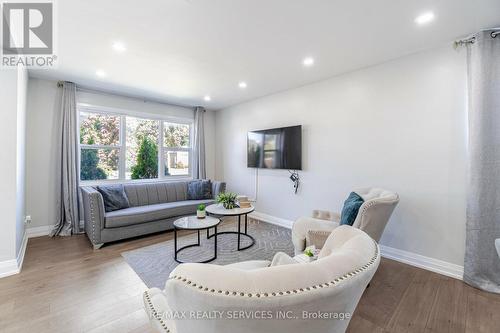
[154, 263]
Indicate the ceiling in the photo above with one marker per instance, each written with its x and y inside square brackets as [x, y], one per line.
[178, 51]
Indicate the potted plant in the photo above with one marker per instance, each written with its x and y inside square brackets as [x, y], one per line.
[200, 211]
[228, 200]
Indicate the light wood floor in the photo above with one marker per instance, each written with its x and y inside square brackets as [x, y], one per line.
[65, 286]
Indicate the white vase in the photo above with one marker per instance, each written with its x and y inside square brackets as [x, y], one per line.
[201, 214]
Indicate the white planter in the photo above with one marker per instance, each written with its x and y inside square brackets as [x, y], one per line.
[201, 214]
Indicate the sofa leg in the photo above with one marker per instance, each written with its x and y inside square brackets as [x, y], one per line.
[98, 246]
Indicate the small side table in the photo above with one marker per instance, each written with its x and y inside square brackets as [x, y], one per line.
[194, 223]
[219, 211]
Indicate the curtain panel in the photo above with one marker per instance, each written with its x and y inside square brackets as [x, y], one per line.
[68, 217]
[482, 264]
[199, 170]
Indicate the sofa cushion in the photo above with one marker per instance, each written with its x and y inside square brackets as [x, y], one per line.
[199, 189]
[281, 258]
[114, 197]
[142, 214]
[351, 208]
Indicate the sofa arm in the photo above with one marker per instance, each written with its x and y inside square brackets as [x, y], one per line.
[217, 188]
[326, 215]
[93, 212]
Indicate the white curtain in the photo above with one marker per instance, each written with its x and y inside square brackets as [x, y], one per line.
[482, 264]
[68, 221]
[199, 171]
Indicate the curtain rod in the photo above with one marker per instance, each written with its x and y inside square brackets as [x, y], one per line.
[96, 91]
[471, 40]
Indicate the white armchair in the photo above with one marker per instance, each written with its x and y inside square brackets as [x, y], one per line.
[252, 297]
[372, 218]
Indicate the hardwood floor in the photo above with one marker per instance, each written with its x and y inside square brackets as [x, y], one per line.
[65, 286]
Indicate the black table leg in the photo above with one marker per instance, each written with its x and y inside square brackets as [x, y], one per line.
[246, 223]
[239, 231]
[215, 241]
[199, 237]
[175, 243]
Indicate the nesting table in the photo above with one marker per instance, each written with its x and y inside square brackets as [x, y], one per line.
[219, 211]
[214, 214]
[194, 223]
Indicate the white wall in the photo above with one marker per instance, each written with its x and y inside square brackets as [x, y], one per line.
[13, 84]
[8, 93]
[22, 86]
[400, 125]
[42, 140]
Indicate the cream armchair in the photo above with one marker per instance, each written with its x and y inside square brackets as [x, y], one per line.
[251, 297]
[372, 217]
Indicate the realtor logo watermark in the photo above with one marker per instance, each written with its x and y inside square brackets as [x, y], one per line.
[28, 34]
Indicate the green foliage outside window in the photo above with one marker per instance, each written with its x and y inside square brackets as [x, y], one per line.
[147, 160]
[89, 168]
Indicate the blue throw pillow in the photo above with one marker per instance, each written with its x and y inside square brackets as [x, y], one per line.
[350, 209]
[199, 189]
[114, 197]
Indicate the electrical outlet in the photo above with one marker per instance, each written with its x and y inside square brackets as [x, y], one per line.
[27, 219]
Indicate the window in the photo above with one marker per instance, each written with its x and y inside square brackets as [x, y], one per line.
[176, 145]
[142, 148]
[99, 146]
[123, 147]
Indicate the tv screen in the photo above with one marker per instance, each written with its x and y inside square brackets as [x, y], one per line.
[277, 148]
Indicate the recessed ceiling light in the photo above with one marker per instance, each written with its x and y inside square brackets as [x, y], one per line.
[425, 18]
[309, 61]
[119, 47]
[207, 98]
[101, 73]
[242, 85]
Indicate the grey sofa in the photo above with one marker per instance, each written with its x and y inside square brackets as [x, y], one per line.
[153, 208]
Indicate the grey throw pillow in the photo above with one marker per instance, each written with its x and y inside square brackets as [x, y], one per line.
[114, 197]
[199, 189]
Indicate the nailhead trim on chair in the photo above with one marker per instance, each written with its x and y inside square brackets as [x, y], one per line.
[286, 292]
[368, 205]
[147, 297]
[346, 276]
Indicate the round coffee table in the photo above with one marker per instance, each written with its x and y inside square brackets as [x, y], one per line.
[194, 223]
[219, 211]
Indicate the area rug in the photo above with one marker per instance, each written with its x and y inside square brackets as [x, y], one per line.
[154, 263]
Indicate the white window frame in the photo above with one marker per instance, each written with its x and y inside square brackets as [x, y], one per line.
[123, 114]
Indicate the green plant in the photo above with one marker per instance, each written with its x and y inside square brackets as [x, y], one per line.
[309, 253]
[201, 207]
[228, 200]
[147, 160]
[89, 169]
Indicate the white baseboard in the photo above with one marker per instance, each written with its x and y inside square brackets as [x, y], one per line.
[410, 258]
[8, 267]
[13, 266]
[39, 231]
[271, 219]
[428, 263]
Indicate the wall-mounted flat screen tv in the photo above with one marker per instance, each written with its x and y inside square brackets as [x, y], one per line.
[277, 148]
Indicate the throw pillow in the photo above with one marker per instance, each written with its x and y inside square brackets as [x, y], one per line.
[281, 258]
[199, 189]
[114, 197]
[351, 209]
